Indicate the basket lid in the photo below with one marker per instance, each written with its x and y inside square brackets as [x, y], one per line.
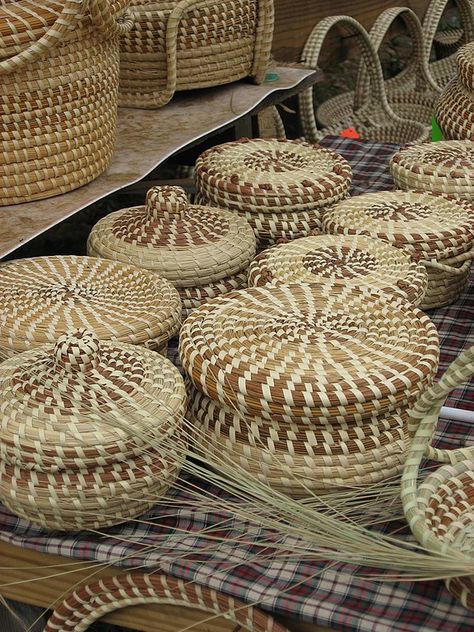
[272, 174]
[85, 402]
[352, 259]
[190, 245]
[43, 297]
[465, 65]
[430, 225]
[449, 160]
[307, 351]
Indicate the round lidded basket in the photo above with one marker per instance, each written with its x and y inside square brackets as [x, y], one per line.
[352, 259]
[59, 74]
[76, 425]
[199, 249]
[454, 111]
[443, 167]
[44, 297]
[439, 509]
[192, 44]
[436, 229]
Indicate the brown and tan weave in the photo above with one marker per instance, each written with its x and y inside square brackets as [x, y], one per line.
[439, 509]
[59, 66]
[374, 119]
[442, 167]
[75, 424]
[42, 298]
[436, 229]
[411, 93]
[192, 44]
[353, 259]
[94, 600]
[455, 111]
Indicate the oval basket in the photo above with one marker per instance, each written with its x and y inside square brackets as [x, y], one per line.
[439, 508]
[192, 44]
[375, 119]
[59, 69]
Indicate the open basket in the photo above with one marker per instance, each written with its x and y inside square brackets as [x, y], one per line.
[59, 67]
[374, 119]
[440, 508]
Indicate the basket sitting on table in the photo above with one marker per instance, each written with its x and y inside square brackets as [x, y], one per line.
[192, 44]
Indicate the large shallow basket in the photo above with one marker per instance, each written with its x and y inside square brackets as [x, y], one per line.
[439, 509]
[374, 119]
[59, 66]
[192, 44]
[44, 297]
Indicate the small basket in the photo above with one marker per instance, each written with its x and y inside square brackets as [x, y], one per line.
[355, 260]
[436, 229]
[44, 297]
[192, 44]
[59, 68]
[374, 119]
[445, 167]
[439, 509]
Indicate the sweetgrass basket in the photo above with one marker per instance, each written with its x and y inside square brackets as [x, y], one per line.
[411, 94]
[59, 66]
[374, 119]
[439, 508]
[192, 44]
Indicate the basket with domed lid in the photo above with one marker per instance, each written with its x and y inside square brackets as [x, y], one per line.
[202, 251]
[86, 430]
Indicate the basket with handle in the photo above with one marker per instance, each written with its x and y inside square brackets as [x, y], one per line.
[59, 69]
[374, 119]
[192, 44]
[411, 93]
[439, 509]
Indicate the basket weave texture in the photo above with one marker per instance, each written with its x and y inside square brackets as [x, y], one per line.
[202, 251]
[72, 456]
[439, 509]
[437, 230]
[44, 297]
[59, 73]
[443, 167]
[352, 259]
[290, 380]
[192, 44]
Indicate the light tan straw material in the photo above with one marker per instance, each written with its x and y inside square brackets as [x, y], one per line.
[194, 297]
[353, 259]
[42, 298]
[437, 229]
[192, 44]
[439, 509]
[71, 452]
[442, 167]
[59, 65]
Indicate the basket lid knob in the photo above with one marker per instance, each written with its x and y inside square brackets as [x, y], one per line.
[77, 352]
[166, 203]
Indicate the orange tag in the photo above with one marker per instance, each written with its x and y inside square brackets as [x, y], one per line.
[349, 132]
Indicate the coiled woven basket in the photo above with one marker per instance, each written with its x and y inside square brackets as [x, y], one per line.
[439, 509]
[59, 73]
[192, 44]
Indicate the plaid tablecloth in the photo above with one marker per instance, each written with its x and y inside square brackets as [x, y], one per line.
[335, 596]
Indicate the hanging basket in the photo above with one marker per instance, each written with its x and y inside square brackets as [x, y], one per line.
[59, 66]
[192, 44]
[439, 508]
[374, 119]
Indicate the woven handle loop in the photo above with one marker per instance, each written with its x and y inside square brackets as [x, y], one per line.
[377, 98]
[263, 39]
[108, 22]
[465, 257]
[417, 69]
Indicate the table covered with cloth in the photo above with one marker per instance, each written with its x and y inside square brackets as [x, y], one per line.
[330, 595]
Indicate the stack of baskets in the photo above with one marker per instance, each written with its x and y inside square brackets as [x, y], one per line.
[443, 167]
[202, 251]
[437, 230]
[354, 260]
[59, 74]
[307, 386]
[77, 447]
[192, 44]
[279, 186]
[44, 297]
